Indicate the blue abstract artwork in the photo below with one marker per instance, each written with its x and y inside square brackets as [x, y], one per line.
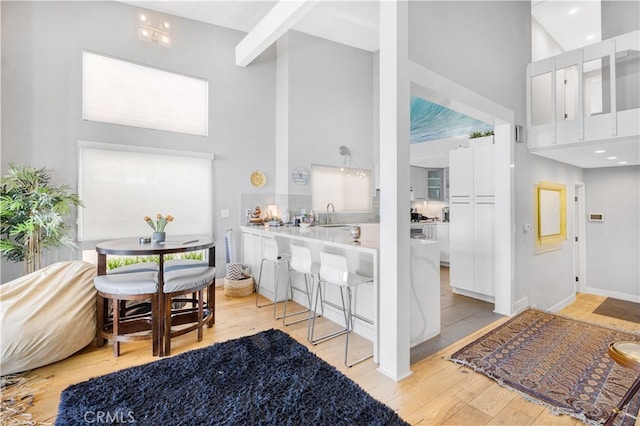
[431, 121]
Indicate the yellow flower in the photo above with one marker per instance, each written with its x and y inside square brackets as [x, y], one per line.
[160, 223]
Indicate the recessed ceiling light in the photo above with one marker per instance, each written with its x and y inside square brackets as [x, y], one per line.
[143, 18]
[611, 158]
[573, 11]
[591, 36]
[622, 162]
[599, 151]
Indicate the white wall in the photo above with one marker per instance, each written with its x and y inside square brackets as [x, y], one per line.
[481, 45]
[613, 246]
[330, 104]
[619, 17]
[542, 44]
[546, 279]
[42, 44]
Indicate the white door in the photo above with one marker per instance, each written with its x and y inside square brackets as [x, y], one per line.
[461, 248]
[483, 266]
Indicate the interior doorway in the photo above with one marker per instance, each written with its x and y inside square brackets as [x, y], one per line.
[437, 89]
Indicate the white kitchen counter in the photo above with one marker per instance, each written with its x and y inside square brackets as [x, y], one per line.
[363, 258]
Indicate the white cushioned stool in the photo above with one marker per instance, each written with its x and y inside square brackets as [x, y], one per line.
[120, 286]
[183, 277]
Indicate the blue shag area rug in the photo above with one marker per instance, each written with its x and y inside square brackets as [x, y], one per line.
[264, 379]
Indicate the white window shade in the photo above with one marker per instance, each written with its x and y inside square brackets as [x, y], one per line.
[349, 190]
[121, 92]
[119, 185]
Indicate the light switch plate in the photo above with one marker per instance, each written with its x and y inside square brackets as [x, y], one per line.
[224, 213]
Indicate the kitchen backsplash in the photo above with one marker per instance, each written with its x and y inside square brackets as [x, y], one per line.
[429, 208]
[294, 204]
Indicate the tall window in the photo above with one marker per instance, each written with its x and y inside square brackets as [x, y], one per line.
[120, 92]
[349, 190]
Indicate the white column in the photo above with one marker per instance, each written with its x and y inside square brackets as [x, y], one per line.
[282, 124]
[394, 285]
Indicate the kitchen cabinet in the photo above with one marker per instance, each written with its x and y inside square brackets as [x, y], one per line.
[428, 184]
[431, 231]
[471, 218]
[435, 187]
[252, 256]
[461, 250]
[419, 182]
[443, 239]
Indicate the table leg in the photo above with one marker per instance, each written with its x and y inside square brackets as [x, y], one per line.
[211, 291]
[160, 318]
[623, 402]
[102, 305]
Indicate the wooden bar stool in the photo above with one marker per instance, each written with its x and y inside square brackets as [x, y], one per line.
[183, 277]
[121, 286]
[301, 263]
[334, 270]
[627, 354]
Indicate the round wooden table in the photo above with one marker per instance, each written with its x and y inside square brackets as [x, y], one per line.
[627, 354]
[134, 247]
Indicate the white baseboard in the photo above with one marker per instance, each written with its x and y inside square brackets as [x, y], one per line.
[614, 294]
[563, 303]
[520, 305]
[473, 294]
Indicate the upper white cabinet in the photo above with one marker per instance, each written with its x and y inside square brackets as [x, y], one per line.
[419, 182]
[461, 173]
[584, 96]
[428, 184]
[483, 171]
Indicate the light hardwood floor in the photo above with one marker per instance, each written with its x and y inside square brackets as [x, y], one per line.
[438, 392]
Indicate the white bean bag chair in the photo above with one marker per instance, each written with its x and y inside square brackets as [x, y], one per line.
[47, 315]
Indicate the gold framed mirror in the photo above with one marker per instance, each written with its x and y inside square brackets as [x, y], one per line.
[551, 214]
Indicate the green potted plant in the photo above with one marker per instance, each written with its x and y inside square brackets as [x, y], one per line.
[32, 213]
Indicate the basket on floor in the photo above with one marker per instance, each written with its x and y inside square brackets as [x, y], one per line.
[238, 288]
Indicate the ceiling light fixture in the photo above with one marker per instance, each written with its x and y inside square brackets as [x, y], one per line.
[150, 32]
[346, 162]
[622, 162]
[599, 151]
[611, 158]
[573, 11]
[591, 36]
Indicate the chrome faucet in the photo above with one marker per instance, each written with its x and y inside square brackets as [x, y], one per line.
[333, 210]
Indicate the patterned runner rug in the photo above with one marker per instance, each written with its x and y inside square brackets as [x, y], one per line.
[558, 362]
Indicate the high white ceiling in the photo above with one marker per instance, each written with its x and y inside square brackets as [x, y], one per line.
[354, 23]
[571, 24]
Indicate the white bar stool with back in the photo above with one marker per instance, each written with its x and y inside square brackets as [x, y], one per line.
[335, 270]
[301, 263]
[271, 254]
